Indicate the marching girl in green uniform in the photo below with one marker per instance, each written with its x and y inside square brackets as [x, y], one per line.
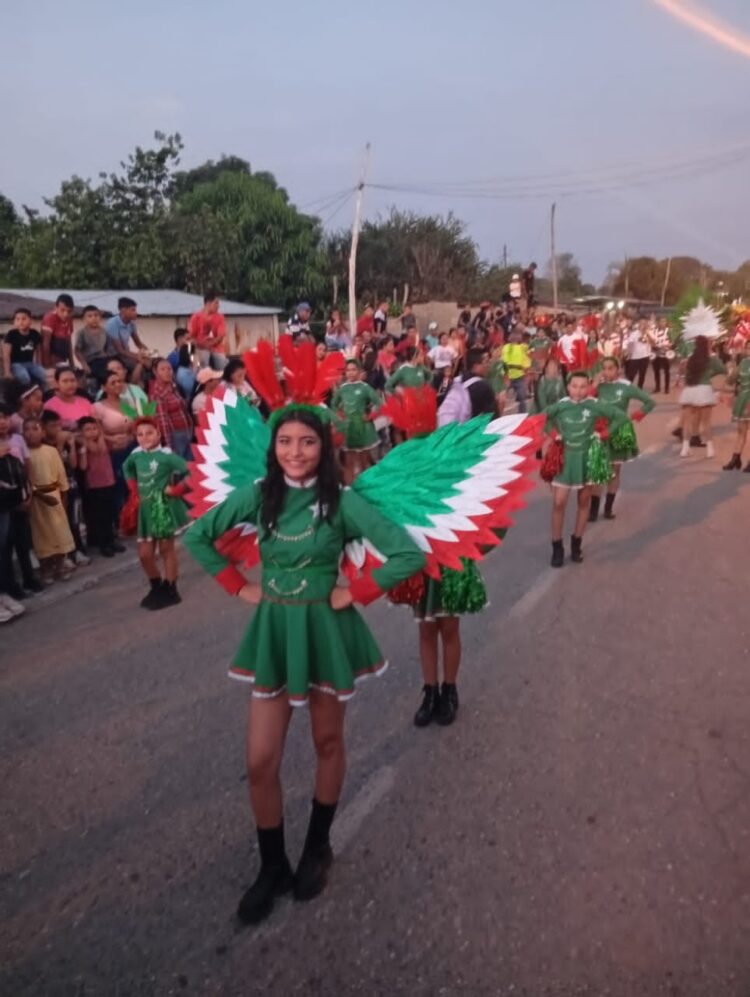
[149, 472]
[356, 402]
[623, 445]
[741, 409]
[306, 643]
[574, 418]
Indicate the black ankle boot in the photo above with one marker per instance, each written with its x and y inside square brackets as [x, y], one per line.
[608, 503]
[274, 878]
[447, 705]
[696, 441]
[428, 707]
[734, 464]
[150, 600]
[317, 856]
[558, 554]
[594, 508]
[576, 552]
[169, 596]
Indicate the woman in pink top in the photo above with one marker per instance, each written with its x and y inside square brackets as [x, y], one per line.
[65, 402]
[118, 431]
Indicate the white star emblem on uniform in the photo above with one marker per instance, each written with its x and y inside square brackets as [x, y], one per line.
[586, 413]
[153, 465]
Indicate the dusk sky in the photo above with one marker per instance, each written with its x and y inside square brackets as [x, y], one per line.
[448, 93]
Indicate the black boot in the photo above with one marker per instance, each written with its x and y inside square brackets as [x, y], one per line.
[274, 878]
[734, 464]
[152, 597]
[696, 441]
[576, 553]
[447, 705]
[608, 503]
[558, 554]
[170, 596]
[594, 508]
[312, 872]
[677, 432]
[428, 707]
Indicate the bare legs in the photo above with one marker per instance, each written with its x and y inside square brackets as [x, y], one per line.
[447, 628]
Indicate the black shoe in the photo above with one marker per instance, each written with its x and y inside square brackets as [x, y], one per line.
[107, 551]
[257, 902]
[735, 464]
[311, 876]
[608, 504]
[576, 552]
[558, 554]
[447, 707]
[15, 592]
[746, 468]
[696, 441]
[429, 706]
[594, 508]
[33, 585]
[450, 689]
[152, 597]
[169, 595]
[119, 548]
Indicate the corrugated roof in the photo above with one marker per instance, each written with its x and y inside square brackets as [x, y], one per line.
[9, 301]
[171, 304]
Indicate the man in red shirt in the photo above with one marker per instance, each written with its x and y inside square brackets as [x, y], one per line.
[366, 321]
[207, 331]
[57, 333]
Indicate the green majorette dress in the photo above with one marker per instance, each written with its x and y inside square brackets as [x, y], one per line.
[549, 390]
[741, 407]
[408, 376]
[296, 641]
[576, 422]
[623, 445]
[159, 516]
[357, 400]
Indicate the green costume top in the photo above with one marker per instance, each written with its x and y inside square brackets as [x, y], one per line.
[159, 517]
[623, 445]
[496, 376]
[576, 423]
[714, 367]
[548, 391]
[539, 350]
[741, 407]
[408, 376]
[296, 641]
[357, 400]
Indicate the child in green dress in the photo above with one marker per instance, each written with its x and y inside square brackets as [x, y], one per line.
[150, 471]
[356, 402]
[741, 408]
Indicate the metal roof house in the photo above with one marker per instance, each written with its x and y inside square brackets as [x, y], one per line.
[160, 312]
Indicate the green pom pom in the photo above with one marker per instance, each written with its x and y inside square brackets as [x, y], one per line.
[598, 467]
[624, 440]
[161, 519]
[463, 591]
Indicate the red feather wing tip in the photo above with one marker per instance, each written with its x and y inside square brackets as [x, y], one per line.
[238, 547]
[328, 374]
[413, 410]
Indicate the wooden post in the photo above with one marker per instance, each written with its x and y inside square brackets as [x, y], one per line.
[355, 242]
[553, 257]
[335, 289]
[666, 281]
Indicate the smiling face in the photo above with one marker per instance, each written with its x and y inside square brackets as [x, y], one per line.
[297, 448]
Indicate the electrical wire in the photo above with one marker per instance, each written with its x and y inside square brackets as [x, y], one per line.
[335, 209]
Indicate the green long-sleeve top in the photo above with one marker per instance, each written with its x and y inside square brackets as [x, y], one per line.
[300, 556]
[408, 376]
[621, 393]
[548, 391]
[576, 421]
[714, 367]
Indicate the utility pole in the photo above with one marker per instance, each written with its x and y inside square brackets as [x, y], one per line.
[505, 256]
[355, 241]
[666, 281]
[553, 256]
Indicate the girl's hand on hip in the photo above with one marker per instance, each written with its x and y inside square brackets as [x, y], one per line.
[341, 597]
[251, 593]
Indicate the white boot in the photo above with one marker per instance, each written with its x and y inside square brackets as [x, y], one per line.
[710, 449]
[685, 451]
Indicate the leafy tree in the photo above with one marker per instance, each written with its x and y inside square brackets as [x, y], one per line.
[186, 180]
[10, 225]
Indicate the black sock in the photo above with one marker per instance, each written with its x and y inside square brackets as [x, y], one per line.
[319, 827]
[271, 845]
[609, 502]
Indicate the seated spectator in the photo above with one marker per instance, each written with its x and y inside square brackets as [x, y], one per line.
[50, 531]
[337, 333]
[172, 415]
[380, 319]
[22, 349]
[408, 319]
[366, 321]
[208, 381]
[66, 401]
[235, 376]
[57, 333]
[208, 333]
[92, 347]
[121, 329]
[98, 489]
[182, 363]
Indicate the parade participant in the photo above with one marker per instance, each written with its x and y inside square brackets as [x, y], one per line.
[663, 356]
[574, 418]
[50, 532]
[356, 402]
[306, 644]
[741, 408]
[150, 472]
[550, 388]
[637, 348]
[698, 397]
[567, 349]
[623, 445]
[409, 374]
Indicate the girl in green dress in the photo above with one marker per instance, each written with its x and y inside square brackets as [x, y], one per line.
[356, 402]
[623, 446]
[741, 408]
[149, 472]
[306, 643]
[574, 418]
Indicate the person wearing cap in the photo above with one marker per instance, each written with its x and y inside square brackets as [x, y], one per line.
[207, 331]
[298, 326]
[208, 380]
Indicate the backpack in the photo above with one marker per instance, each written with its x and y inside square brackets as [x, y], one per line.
[456, 406]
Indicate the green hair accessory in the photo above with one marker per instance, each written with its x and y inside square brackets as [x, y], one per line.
[287, 413]
[147, 409]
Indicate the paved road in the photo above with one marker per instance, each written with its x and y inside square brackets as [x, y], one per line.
[582, 829]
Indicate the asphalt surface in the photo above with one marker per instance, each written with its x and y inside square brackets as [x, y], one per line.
[582, 829]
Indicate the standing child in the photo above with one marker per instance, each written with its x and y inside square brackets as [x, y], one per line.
[356, 402]
[50, 531]
[13, 493]
[63, 438]
[99, 489]
[149, 471]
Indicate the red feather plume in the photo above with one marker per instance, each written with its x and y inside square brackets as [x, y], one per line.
[260, 365]
[412, 410]
[328, 375]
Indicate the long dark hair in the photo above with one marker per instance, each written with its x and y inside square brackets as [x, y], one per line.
[327, 486]
[697, 362]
